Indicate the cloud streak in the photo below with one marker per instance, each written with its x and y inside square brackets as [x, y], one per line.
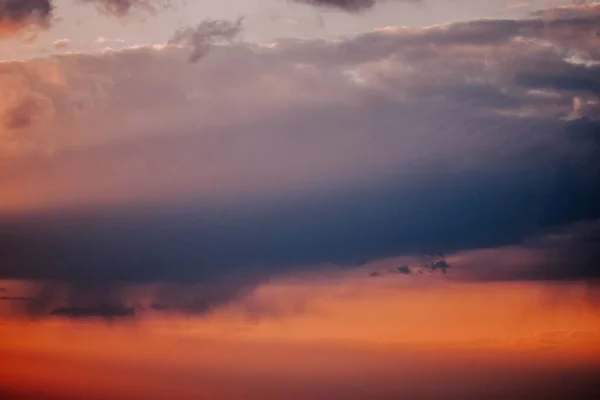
[121, 8]
[352, 6]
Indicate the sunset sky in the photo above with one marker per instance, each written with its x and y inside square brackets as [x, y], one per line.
[299, 199]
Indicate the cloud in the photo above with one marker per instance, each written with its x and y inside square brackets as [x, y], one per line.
[106, 311]
[201, 37]
[14, 298]
[22, 115]
[103, 40]
[352, 6]
[571, 253]
[405, 270]
[16, 15]
[266, 160]
[346, 5]
[121, 8]
[442, 265]
[61, 43]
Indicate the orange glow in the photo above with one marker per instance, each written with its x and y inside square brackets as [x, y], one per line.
[362, 330]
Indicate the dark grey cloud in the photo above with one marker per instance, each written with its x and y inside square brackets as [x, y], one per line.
[15, 14]
[201, 37]
[441, 265]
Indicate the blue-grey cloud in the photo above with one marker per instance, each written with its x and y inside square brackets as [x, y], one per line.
[437, 208]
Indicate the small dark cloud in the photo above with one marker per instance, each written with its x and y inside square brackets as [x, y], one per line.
[107, 311]
[375, 274]
[441, 265]
[201, 37]
[404, 269]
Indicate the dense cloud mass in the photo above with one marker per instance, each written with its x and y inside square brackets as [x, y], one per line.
[264, 159]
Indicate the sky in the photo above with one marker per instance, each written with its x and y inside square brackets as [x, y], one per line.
[291, 199]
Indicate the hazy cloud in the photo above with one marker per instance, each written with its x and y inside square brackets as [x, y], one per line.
[121, 8]
[14, 298]
[107, 311]
[61, 43]
[18, 14]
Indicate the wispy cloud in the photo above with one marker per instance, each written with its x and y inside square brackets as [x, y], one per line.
[201, 37]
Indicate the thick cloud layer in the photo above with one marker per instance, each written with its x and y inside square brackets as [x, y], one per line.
[261, 160]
